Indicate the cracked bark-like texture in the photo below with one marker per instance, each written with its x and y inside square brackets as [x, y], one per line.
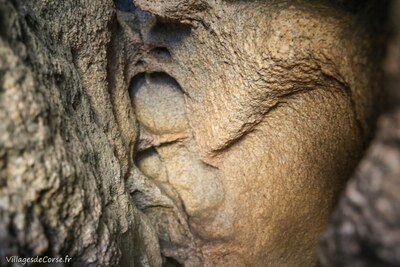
[64, 162]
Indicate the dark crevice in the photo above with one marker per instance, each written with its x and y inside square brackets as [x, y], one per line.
[3, 22]
[114, 47]
[171, 262]
[138, 199]
[124, 5]
[350, 5]
[140, 63]
[169, 32]
[155, 77]
[160, 53]
[246, 129]
[32, 23]
[164, 78]
[142, 155]
[136, 82]
[76, 101]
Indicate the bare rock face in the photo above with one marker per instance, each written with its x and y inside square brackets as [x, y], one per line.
[195, 133]
[365, 228]
[276, 116]
[64, 165]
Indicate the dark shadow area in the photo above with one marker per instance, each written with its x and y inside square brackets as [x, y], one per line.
[351, 5]
[164, 78]
[155, 77]
[136, 82]
[124, 5]
[169, 32]
[161, 53]
[171, 262]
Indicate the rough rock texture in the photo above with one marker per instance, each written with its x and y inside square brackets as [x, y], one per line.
[278, 117]
[64, 163]
[365, 228]
[202, 133]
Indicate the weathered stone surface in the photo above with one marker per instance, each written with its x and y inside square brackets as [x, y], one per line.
[64, 162]
[224, 129]
[365, 228]
[278, 117]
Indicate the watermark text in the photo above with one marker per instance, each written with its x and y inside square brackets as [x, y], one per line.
[37, 259]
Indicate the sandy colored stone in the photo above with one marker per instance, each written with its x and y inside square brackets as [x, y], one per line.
[365, 227]
[201, 133]
[277, 109]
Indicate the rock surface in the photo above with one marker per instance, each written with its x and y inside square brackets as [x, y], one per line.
[266, 85]
[196, 133]
[64, 163]
[365, 228]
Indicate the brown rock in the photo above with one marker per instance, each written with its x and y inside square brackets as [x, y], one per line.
[202, 133]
